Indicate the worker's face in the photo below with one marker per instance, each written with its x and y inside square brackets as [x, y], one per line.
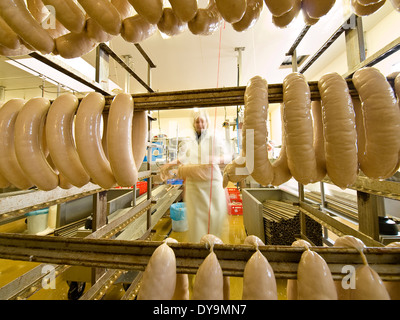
[200, 124]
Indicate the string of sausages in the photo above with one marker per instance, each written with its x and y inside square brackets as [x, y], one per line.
[337, 136]
[314, 279]
[72, 28]
[48, 145]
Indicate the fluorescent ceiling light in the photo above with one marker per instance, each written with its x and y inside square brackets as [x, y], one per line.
[78, 65]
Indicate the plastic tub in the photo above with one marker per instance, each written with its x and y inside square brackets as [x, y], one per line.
[37, 220]
[177, 213]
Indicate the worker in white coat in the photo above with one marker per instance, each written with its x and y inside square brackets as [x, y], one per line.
[205, 198]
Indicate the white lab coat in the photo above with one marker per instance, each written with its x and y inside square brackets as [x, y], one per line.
[204, 216]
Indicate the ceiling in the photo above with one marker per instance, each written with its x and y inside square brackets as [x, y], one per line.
[187, 61]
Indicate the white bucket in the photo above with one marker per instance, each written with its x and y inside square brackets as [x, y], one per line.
[37, 221]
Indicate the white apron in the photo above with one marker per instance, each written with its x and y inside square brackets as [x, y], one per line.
[204, 216]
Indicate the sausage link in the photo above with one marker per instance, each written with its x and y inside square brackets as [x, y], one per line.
[280, 166]
[105, 14]
[209, 283]
[279, 7]
[140, 132]
[69, 14]
[317, 8]
[298, 128]
[8, 38]
[291, 287]
[29, 128]
[184, 9]
[361, 10]
[151, 10]
[170, 24]
[231, 11]
[339, 130]
[382, 124]
[314, 279]
[9, 166]
[136, 29]
[396, 4]
[284, 20]
[206, 21]
[319, 143]
[88, 140]
[17, 16]
[259, 279]
[159, 277]
[73, 45]
[119, 140]
[250, 17]
[60, 140]
[255, 118]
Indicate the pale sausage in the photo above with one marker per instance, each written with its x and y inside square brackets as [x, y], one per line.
[206, 21]
[231, 11]
[151, 10]
[209, 283]
[255, 117]
[184, 9]
[298, 128]
[88, 140]
[396, 4]
[60, 140]
[319, 143]
[73, 45]
[170, 24]
[258, 277]
[368, 285]
[140, 131]
[136, 29]
[159, 277]
[250, 17]
[291, 287]
[339, 130]
[361, 10]
[119, 140]
[285, 19]
[8, 38]
[26, 26]
[69, 14]
[280, 166]
[28, 135]
[105, 14]
[382, 124]
[9, 166]
[307, 19]
[210, 240]
[393, 287]
[317, 8]
[279, 7]
[314, 279]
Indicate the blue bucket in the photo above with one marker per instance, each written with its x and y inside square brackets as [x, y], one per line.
[177, 211]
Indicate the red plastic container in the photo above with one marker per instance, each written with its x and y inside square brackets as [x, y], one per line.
[142, 186]
[235, 208]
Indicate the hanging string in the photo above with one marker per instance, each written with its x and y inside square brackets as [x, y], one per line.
[215, 126]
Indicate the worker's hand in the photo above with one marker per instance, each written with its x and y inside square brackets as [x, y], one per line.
[199, 172]
[167, 172]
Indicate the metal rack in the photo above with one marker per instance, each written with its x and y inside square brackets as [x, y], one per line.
[99, 251]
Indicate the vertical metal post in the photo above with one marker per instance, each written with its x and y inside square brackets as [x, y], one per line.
[102, 68]
[355, 43]
[99, 220]
[127, 59]
[2, 93]
[149, 180]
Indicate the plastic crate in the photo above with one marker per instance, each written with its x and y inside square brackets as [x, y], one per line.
[235, 208]
[142, 186]
[234, 195]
